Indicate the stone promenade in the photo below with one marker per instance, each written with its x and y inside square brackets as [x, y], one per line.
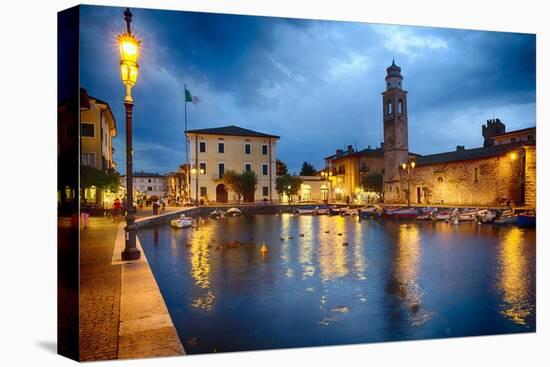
[111, 326]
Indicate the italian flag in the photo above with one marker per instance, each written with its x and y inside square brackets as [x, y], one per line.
[190, 98]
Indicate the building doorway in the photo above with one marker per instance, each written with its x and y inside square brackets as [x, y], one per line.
[418, 195]
[221, 194]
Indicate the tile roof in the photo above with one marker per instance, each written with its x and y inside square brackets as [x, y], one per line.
[231, 130]
[467, 154]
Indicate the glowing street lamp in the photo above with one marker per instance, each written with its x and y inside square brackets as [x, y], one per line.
[326, 174]
[129, 52]
[408, 167]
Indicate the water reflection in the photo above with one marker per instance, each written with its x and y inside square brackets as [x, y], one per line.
[199, 258]
[405, 278]
[332, 254]
[514, 277]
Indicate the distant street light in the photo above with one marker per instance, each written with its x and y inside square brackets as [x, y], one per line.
[129, 52]
[326, 174]
[408, 167]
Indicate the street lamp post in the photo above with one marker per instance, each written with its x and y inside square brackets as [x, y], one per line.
[408, 167]
[129, 50]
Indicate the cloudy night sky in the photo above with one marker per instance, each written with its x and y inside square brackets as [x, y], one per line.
[317, 84]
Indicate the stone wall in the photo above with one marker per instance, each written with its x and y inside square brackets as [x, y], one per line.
[485, 181]
[531, 176]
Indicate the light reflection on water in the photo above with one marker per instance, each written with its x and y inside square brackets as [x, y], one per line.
[515, 277]
[334, 280]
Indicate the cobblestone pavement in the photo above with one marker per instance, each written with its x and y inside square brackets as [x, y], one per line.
[99, 291]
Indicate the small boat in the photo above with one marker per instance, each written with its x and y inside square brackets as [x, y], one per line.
[347, 211]
[306, 211]
[233, 212]
[486, 216]
[467, 215]
[426, 213]
[527, 220]
[507, 219]
[334, 210]
[401, 213]
[217, 214]
[182, 222]
[442, 215]
[321, 211]
[368, 212]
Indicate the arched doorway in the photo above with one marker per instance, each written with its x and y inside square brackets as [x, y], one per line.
[221, 194]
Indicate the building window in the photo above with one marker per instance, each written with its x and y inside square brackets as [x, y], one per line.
[389, 108]
[149, 188]
[203, 191]
[264, 149]
[265, 191]
[440, 180]
[221, 147]
[221, 170]
[513, 140]
[247, 167]
[247, 148]
[264, 169]
[87, 159]
[87, 130]
[202, 168]
[529, 137]
[400, 106]
[202, 147]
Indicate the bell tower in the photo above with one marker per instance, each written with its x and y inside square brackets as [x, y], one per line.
[396, 136]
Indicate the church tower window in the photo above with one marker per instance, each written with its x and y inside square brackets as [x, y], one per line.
[400, 106]
[389, 109]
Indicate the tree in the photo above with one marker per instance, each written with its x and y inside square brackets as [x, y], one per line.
[232, 181]
[91, 176]
[307, 169]
[242, 184]
[374, 182]
[288, 185]
[281, 168]
[249, 181]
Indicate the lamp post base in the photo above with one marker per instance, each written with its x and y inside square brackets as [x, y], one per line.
[130, 254]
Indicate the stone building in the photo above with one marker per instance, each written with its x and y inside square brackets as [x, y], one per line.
[502, 171]
[348, 167]
[147, 184]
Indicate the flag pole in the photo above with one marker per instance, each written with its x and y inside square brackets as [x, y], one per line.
[188, 173]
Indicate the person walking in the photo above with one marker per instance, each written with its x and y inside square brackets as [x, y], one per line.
[117, 206]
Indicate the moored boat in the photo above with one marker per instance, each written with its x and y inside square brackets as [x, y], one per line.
[527, 220]
[217, 214]
[401, 213]
[182, 222]
[486, 216]
[233, 212]
[507, 219]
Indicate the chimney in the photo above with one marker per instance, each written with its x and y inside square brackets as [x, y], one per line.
[350, 148]
[368, 146]
[459, 148]
[339, 152]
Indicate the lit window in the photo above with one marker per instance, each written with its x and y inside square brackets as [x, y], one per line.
[202, 168]
[87, 159]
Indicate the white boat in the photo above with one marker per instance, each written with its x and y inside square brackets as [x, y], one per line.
[217, 214]
[467, 215]
[306, 211]
[348, 211]
[182, 222]
[442, 215]
[486, 216]
[233, 212]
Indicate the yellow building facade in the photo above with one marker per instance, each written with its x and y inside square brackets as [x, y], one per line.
[215, 151]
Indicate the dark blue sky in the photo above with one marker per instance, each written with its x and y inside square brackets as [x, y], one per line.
[317, 84]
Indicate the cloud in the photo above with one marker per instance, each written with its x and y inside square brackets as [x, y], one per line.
[317, 84]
